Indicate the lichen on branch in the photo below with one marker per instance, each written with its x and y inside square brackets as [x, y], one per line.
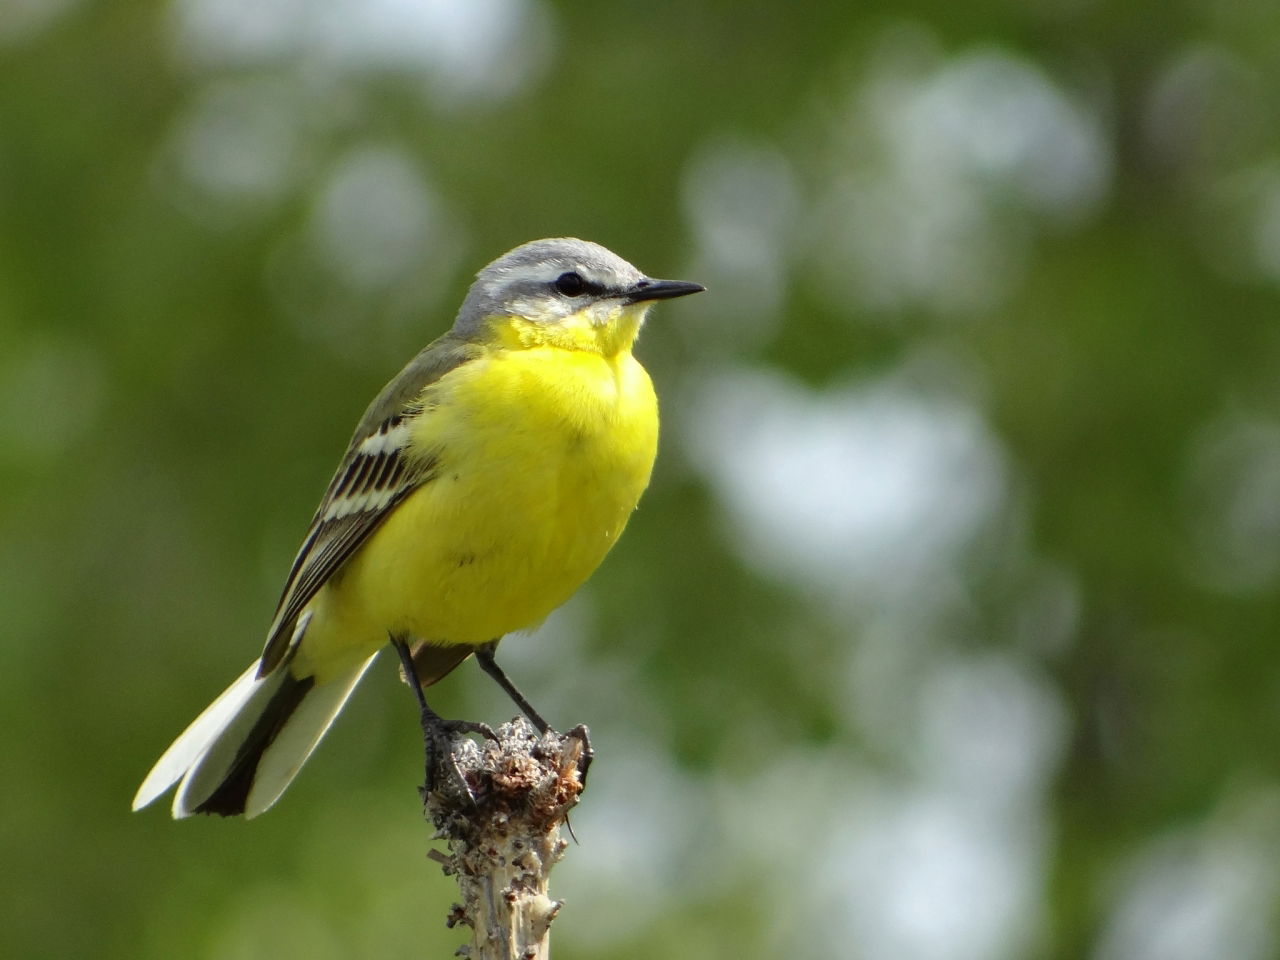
[499, 805]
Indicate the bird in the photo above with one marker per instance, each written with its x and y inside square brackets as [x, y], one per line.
[483, 485]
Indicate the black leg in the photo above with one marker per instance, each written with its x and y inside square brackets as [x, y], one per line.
[436, 731]
[411, 678]
[484, 657]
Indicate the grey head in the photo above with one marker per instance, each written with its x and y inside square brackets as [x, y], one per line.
[547, 280]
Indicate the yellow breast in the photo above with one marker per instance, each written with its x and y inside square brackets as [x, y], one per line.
[542, 454]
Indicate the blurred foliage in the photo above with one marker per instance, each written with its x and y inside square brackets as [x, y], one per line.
[947, 629]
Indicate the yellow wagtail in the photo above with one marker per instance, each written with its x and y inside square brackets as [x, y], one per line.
[483, 485]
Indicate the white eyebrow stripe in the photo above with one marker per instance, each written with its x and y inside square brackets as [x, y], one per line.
[510, 275]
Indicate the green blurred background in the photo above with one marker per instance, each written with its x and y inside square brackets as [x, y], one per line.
[947, 630]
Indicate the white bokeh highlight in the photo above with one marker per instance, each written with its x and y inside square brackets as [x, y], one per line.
[23, 20]
[1233, 541]
[374, 218]
[867, 488]
[464, 51]
[240, 143]
[1205, 890]
[744, 206]
[938, 171]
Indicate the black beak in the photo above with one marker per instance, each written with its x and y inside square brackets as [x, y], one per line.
[647, 289]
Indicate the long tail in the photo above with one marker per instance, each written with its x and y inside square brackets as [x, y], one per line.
[241, 753]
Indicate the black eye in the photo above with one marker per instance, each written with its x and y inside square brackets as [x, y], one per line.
[570, 285]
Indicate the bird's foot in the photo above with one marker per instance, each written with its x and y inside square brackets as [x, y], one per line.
[440, 737]
[463, 727]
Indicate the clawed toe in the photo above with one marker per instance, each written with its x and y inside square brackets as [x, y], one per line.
[469, 726]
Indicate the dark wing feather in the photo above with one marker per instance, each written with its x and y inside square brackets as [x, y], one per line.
[373, 478]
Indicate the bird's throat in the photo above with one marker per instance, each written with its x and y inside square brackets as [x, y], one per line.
[608, 335]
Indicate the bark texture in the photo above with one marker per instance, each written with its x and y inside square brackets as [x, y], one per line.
[499, 805]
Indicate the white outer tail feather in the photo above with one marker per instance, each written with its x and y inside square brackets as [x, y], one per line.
[281, 761]
[205, 752]
[192, 742]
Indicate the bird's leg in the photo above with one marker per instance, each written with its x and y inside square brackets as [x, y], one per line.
[484, 657]
[436, 730]
[429, 716]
